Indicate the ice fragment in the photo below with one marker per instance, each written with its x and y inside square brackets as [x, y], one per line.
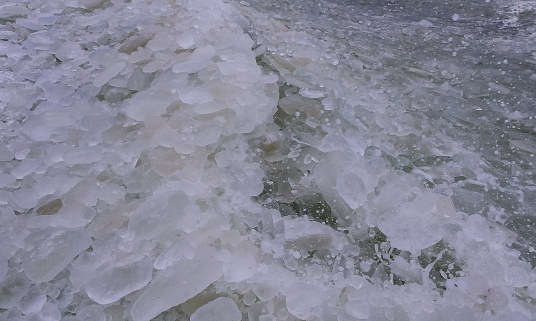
[221, 309]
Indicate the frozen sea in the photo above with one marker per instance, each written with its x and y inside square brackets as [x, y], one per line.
[222, 160]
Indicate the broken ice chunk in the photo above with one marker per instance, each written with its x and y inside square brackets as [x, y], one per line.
[199, 59]
[108, 74]
[13, 288]
[240, 266]
[352, 189]
[33, 300]
[50, 250]
[50, 208]
[91, 313]
[110, 283]
[146, 104]
[82, 155]
[10, 11]
[221, 309]
[358, 309]
[68, 50]
[198, 95]
[418, 224]
[178, 283]
[302, 234]
[305, 300]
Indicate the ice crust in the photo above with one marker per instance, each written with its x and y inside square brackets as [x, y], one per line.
[206, 160]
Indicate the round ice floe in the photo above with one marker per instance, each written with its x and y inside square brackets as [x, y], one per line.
[417, 224]
[221, 309]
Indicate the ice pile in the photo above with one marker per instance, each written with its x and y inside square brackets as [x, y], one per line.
[201, 160]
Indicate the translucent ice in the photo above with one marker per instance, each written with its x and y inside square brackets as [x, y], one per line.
[221, 309]
[178, 283]
[14, 288]
[418, 224]
[109, 283]
[50, 250]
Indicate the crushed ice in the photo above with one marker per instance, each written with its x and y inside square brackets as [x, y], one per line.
[202, 160]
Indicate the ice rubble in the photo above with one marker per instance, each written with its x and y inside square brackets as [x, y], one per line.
[150, 171]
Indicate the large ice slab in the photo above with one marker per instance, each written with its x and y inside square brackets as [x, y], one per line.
[50, 250]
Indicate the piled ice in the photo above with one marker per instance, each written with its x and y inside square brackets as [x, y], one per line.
[175, 160]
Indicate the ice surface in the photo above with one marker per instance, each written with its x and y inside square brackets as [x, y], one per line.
[304, 301]
[178, 283]
[33, 301]
[266, 160]
[418, 224]
[110, 283]
[223, 309]
[14, 288]
[50, 250]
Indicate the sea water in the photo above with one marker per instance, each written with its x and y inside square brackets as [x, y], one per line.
[267, 160]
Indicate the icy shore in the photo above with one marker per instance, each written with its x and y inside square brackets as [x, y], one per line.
[205, 160]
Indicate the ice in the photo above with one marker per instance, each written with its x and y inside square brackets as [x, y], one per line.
[91, 313]
[33, 300]
[68, 50]
[13, 10]
[14, 288]
[304, 300]
[180, 282]
[110, 283]
[198, 60]
[82, 155]
[50, 312]
[50, 250]
[3, 269]
[525, 145]
[91, 4]
[251, 160]
[197, 95]
[146, 104]
[240, 266]
[108, 74]
[352, 189]
[418, 224]
[6, 154]
[358, 309]
[6, 180]
[302, 234]
[220, 309]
